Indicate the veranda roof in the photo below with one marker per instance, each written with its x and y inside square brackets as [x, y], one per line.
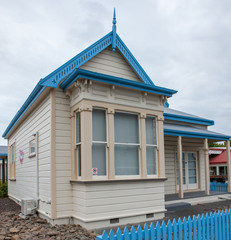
[189, 131]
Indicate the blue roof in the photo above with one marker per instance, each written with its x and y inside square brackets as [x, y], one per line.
[69, 69]
[54, 78]
[3, 151]
[172, 114]
[192, 132]
[80, 73]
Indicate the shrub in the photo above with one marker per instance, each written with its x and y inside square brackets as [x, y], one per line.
[3, 190]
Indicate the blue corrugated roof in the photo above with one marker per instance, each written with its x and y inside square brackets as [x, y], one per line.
[3, 150]
[188, 131]
[172, 114]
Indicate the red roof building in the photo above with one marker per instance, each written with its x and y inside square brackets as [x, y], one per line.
[218, 161]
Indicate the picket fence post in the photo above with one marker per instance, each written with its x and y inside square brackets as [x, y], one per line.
[214, 226]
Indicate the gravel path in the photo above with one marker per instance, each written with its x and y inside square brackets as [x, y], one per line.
[13, 227]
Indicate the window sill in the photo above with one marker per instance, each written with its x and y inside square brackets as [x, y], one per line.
[12, 179]
[118, 180]
[32, 155]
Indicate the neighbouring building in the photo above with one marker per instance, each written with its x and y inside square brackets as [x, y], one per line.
[218, 164]
[96, 144]
[3, 163]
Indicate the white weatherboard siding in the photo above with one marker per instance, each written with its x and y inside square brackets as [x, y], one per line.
[25, 184]
[63, 155]
[188, 144]
[95, 202]
[111, 63]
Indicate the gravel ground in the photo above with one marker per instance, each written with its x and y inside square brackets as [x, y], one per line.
[13, 227]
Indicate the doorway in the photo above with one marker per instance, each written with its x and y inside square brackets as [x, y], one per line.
[189, 170]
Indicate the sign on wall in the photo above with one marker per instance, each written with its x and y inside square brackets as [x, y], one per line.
[21, 156]
[94, 171]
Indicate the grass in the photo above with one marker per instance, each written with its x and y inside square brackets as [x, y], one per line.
[3, 190]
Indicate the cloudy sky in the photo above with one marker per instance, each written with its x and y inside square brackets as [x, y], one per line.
[184, 45]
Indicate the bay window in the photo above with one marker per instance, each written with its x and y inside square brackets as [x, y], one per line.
[78, 142]
[99, 142]
[126, 143]
[115, 151]
[151, 145]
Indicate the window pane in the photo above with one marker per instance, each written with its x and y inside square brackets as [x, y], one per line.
[151, 130]
[99, 125]
[12, 153]
[126, 160]
[126, 128]
[78, 127]
[79, 159]
[192, 164]
[151, 160]
[32, 146]
[193, 179]
[99, 159]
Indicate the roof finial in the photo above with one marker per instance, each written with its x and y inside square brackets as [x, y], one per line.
[114, 18]
[114, 32]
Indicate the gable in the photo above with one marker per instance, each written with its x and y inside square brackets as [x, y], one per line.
[111, 39]
[111, 63]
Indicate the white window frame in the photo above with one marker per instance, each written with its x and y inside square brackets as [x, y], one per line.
[78, 145]
[153, 145]
[32, 154]
[101, 142]
[130, 144]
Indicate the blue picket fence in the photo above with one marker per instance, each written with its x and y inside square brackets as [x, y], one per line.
[215, 226]
[219, 187]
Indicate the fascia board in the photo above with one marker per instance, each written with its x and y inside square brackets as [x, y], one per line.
[180, 118]
[132, 61]
[170, 132]
[3, 155]
[80, 73]
[54, 78]
[30, 100]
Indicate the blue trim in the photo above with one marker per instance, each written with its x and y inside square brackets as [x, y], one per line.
[132, 61]
[3, 154]
[112, 38]
[30, 100]
[195, 120]
[166, 104]
[195, 135]
[114, 32]
[80, 73]
[54, 78]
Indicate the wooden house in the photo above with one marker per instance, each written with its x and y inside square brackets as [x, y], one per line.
[95, 143]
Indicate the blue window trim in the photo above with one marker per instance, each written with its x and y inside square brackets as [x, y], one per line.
[30, 100]
[195, 120]
[80, 73]
[170, 132]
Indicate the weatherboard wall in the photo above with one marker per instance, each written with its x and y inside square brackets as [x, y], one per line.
[111, 63]
[25, 185]
[63, 155]
[188, 145]
[97, 203]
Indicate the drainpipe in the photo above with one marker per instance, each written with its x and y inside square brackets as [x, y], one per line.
[37, 170]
